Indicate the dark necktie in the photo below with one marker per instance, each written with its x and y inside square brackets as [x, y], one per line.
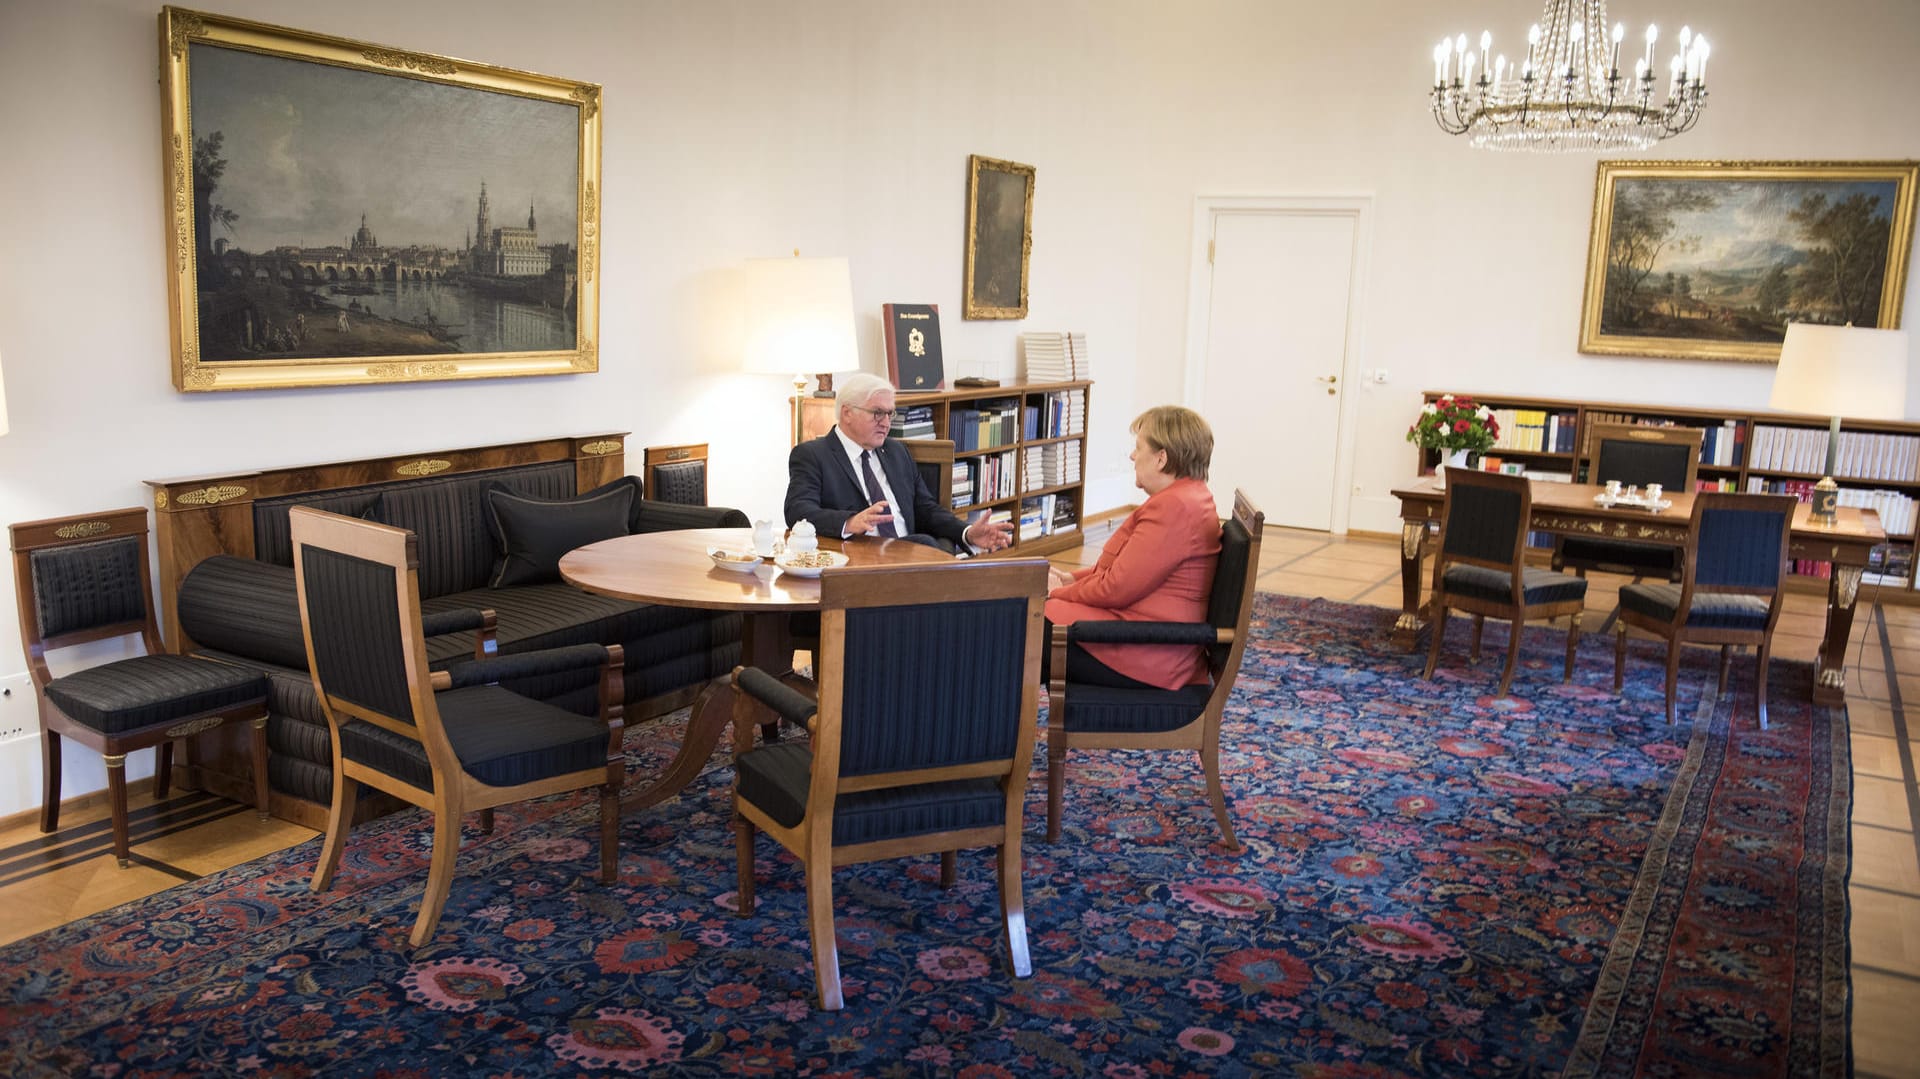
[875, 493]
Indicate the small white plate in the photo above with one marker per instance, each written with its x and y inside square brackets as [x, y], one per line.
[737, 561]
[823, 560]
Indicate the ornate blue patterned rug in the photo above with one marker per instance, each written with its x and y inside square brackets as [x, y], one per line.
[1436, 881]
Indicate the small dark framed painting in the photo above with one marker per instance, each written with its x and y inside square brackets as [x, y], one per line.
[999, 238]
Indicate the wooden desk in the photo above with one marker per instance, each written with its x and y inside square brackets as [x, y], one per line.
[1569, 509]
[673, 568]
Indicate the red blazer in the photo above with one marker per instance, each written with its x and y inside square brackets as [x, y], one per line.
[1156, 567]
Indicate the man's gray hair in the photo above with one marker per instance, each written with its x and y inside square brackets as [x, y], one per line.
[859, 388]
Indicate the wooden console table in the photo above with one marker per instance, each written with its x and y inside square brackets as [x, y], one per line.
[1569, 509]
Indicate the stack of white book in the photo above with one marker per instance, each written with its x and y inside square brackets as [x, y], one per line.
[1045, 357]
[1053, 465]
[1066, 414]
[1077, 351]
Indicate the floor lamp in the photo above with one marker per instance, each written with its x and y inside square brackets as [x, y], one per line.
[1840, 371]
[799, 322]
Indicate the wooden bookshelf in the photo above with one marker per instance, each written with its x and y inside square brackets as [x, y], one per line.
[1060, 492]
[1744, 450]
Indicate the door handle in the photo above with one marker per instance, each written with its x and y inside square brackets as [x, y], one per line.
[1330, 380]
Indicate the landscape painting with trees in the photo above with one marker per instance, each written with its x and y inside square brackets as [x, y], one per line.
[1704, 260]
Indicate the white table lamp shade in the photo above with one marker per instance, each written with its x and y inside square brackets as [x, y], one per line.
[799, 316]
[1848, 371]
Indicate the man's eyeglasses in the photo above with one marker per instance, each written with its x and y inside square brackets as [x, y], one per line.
[882, 414]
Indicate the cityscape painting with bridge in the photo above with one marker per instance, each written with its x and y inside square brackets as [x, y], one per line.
[339, 213]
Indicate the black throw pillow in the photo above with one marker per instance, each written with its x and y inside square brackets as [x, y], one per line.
[532, 533]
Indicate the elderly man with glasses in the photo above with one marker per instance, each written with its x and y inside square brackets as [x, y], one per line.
[855, 481]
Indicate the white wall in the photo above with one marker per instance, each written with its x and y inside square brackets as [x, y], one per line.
[750, 128]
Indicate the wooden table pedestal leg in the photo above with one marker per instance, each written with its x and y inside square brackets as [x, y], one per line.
[1406, 628]
[1830, 669]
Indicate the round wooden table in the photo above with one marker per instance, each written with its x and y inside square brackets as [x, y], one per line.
[673, 568]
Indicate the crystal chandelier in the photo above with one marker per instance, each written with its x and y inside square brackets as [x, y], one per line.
[1568, 94]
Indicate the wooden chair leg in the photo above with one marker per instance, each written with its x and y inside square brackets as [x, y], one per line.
[1216, 792]
[1012, 906]
[1056, 777]
[446, 851]
[1619, 657]
[1673, 676]
[610, 829]
[486, 821]
[49, 780]
[346, 792]
[826, 954]
[1513, 654]
[1573, 644]
[262, 798]
[117, 799]
[1479, 624]
[743, 848]
[1760, 680]
[949, 869]
[1726, 664]
[162, 770]
[1439, 629]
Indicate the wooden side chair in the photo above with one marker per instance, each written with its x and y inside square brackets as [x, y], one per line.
[929, 680]
[449, 741]
[1102, 717]
[934, 458]
[676, 474]
[1730, 589]
[1635, 456]
[1481, 567]
[86, 578]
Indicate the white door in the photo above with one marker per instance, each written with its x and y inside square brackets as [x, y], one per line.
[1272, 369]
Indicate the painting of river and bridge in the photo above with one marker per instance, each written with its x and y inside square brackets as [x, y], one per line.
[352, 213]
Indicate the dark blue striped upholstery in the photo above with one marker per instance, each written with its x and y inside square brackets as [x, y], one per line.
[931, 686]
[501, 738]
[273, 528]
[148, 691]
[775, 778]
[1540, 585]
[1646, 559]
[82, 586]
[1739, 548]
[530, 535]
[1709, 610]
[1133, 711]
[1229, 585]
[1481, 522]
[353, 611]
[243, 605]
[1638, 463]
[448, 518]
[683, 482]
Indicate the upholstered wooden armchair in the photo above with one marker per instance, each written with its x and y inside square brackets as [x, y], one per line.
[922, 735]
[1482, 569]
[1730, 589]
[86, 578]
[1103, 717]
[449, 741]
[1635, 456]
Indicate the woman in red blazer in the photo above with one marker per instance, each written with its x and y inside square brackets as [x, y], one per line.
[1156, 567]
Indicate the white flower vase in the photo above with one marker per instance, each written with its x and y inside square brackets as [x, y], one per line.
[1451, 459]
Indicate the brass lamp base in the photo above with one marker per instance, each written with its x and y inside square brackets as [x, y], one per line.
[1826, 503]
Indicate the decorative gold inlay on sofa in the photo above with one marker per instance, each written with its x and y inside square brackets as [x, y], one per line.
[426, 466]
[82, 528]
[601, 448]
[210, 496]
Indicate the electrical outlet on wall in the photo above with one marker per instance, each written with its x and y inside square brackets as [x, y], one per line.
[17, 719]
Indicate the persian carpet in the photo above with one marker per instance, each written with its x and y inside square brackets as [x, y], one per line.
[1435, 881]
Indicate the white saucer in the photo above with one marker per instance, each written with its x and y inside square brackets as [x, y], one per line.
[731, 560]
[829, 559]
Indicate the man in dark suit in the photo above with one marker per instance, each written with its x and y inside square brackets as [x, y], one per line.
[855, 481]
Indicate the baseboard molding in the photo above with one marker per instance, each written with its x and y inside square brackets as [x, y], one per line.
[77, 802]
[1105, 515]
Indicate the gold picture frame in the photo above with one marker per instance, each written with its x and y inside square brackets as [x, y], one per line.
[1708, 260]
[289, 154]
[999, 238]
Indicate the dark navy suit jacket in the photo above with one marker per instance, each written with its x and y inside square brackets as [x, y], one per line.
[823, 487]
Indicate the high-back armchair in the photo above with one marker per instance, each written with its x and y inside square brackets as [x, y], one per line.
[921, 737]
[1635, 456]
[1103, 717]
[449, 741]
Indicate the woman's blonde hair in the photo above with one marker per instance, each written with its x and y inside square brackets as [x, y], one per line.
[1182, 435]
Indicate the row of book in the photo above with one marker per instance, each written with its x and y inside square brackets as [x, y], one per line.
[986, 478]
[1047, 515]
[1863, 455]
[1054, 357]
[1889, 563]
[1532, 430]
[1721, 444]
[993, 423]
[1055, 464]
[1062, 412]
[913, 421]
[1897, 509]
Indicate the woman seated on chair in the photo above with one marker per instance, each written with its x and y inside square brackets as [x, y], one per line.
[1156, 567]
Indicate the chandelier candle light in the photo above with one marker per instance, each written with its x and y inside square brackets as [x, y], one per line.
[1568, 94]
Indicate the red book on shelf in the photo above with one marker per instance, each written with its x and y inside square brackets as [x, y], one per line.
[912, 332]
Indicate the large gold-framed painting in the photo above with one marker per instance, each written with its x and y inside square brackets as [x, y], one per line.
[341, 213]
[1710, 260]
